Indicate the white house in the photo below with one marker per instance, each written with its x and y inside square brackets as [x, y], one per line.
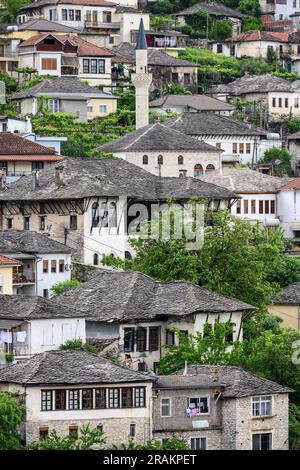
[15, 125]
[288, 201]
[32, 325]
[64, 390]
[44, 261]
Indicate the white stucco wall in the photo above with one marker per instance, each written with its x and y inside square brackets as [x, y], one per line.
[288, 203]
[46, 280]
[253, 217]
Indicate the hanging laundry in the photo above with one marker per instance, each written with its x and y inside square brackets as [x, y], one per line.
[6, 337]
[21, 336]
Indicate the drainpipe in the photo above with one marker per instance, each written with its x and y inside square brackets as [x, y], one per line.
[37, 260]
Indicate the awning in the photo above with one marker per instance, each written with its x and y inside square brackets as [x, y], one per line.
[8, 324]
[69, 62]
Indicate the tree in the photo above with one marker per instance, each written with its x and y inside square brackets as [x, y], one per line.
[253, 24]
[10, 418]
[249, 7]
[11, 9]
[173, 89]
[294, 426]
[161, 23]
[64, 286]
[220, 30]
[284, 270]
[174, 443]
[280, 159]
[88, 439]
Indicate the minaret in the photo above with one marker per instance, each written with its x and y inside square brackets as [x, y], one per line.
[141, 79]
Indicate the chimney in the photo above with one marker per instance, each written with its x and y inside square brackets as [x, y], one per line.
[35, 179]
[185, 368]
[59, 175]
[182, 173]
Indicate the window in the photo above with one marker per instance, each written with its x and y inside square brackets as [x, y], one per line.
[142, 367]
[198, 405]
[273, 207]
[140, 397]
[246, 208]
[107, 17]
[103, 108]
[95, 215]
[294, 3]
[9, 223]
[49, 63]
[100, 427]
[73, 222]
[100, 398]
[170, 337]
[238, 206]
[296, 102]
[53, 14]
[26, 223]
[112, 214]
[111, 40]
[77, 15]
[175, 77]
[37, 166]
[153, 338]
[61, 266]
[274, 102]
[45, 293]
[64, 15]
[45, 266]
[165, 406]
[43, 433]
[86, 65]
[145, 159]
[89, 109]
[71, 15]
[132, 430]
[182, 173]
[198, 170]
[127, 398]
[261, 207]
[248, 147]
[95, 259]
[104, 214]
[46, 400]
[207, 329]
[101, 66]
[262, 441]
[141, 339]
[60, 399]
[279, 102]
[53, 106]
[113, 398]
[253, 206]
[229, 337]
[186, 79]
[199, 443]
[160, 160]
[53, 265]
[180, 160]
[267, 207]
[73, 431]
[128, 339]
[87, 399]
[241, 148]
[261, 405]
[234, 148]
[73, 399]
[93, 65]
[42, 223]
[286, 102]
[219, 48]
[210, 168]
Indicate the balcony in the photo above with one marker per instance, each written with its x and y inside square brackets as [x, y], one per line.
[20, 278]
[101, 25]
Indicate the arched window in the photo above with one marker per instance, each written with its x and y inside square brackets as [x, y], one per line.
[210, 168]
[160, 160]
[145, 159]
[112, 214]
[104, 214]
[128, 255]
[180, 160]
[95, 214]
[95, 259]
[198, 170]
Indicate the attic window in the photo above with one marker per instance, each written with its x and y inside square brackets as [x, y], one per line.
[49, 41]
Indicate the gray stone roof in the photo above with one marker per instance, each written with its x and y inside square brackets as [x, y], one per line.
[40, 24]
[155, 57]
[25, 241]
[61, 85]
[211, 124]
[198, 102]
[38, 3]
[156, 137]
[244, 180]
[130, 296]
[254, 84]
[70, 367]
[30, 308]
[235, 381]
[86, 177]
[213, 8]
[289, 295]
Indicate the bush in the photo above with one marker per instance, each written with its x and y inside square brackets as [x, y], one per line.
[221, 29]
[78, 344]
[64, 286]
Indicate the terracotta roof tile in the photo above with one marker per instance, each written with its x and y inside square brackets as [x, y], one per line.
[277, 36]
[294, 184]
[4, 261]
[13, 144]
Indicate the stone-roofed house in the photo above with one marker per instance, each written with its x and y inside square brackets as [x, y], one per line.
[63, 390]
[66, 95]
[20, 156]
[179, 103]
[240, 142]
[165, 152]
[67, 55]
[221, 408]
[42, 262]
[7, 265]
[92, 204]
[279, 97]
[258, 193]
[139, 313]
[163, 67]
[286, 305]
[31, 325]
[214, 9]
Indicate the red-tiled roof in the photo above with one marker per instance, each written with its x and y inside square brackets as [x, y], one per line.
[277, 36]
[4, 261]
[14, 144]
[273, 24]
[293, 184]
[37, 38]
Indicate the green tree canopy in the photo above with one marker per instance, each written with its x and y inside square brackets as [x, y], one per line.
[276, 155]
[64, 286]
[88, 439]
[250, 7]
[11, 9]
[220, 30]
[10, 418]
